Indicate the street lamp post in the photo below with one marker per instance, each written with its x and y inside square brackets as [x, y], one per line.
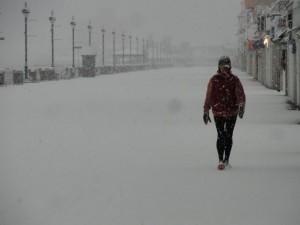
[153, 62]
[114, 50]
[161, 53]
[130, 49]
[137, 50]
[26, 12]
[1, 38]
[123, 37]
[147, 51]
[157, 52]
[52, 20]
[103, 32]
[73, 24]
[78, 48]
[90, 28]
[143, 50]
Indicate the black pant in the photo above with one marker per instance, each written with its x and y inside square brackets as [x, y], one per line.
[225, 127]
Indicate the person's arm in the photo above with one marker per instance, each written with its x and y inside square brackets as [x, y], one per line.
[241, 98]
[208, 98]
[207, 103]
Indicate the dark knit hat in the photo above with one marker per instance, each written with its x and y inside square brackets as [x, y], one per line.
[224, 61]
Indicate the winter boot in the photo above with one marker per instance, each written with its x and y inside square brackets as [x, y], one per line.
[221, 165]
[226, 163]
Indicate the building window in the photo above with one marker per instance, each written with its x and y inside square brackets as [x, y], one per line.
[283, 59]
[272, 32]
[262, 23]
[290, 21]
[258, 23]
[281, 22]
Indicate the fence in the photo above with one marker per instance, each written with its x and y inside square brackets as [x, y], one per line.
[9, 77]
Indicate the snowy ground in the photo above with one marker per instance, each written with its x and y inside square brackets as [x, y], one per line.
[132, 149]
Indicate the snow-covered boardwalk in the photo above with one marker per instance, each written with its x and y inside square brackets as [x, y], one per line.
[132, 149]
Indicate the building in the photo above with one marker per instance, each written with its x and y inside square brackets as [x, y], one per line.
[269, 36]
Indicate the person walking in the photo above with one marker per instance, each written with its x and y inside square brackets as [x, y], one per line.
[226, 97]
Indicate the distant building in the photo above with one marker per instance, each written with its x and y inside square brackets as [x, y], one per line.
[269, 40]
[251, 4]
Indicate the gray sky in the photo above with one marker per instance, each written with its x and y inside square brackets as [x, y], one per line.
[200, 22]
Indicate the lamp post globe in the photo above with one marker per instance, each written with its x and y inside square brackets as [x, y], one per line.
[26, 11]
[73, 23]
[52, 18]
[90, 26]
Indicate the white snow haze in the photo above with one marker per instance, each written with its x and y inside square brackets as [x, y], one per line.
[205, 22]
[132, 148]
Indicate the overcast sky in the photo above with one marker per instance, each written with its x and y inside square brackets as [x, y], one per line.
[200, 22]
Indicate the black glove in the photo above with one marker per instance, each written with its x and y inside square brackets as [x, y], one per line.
[241, 111]
[206, 117]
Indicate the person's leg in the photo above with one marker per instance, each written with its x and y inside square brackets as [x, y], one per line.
[229, 128]
[220, 125]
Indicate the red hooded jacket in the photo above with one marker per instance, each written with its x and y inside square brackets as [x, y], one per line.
[225, 93]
